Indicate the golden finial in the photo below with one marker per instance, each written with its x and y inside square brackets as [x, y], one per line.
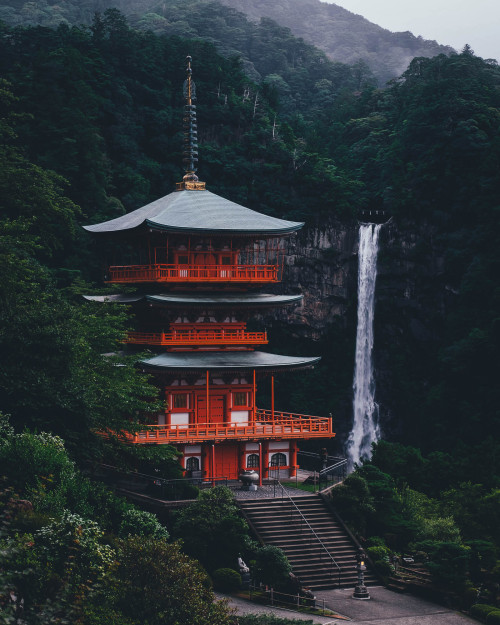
[190, 153]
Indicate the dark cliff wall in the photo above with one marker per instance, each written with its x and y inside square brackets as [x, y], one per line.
[412, 298]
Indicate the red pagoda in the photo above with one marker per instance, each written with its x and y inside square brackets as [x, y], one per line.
[199, 263]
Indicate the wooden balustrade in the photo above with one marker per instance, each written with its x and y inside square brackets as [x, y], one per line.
[192, 273]
[265, 426]
[202, 336]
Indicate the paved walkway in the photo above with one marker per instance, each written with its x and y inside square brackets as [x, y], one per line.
[384, 607]
[268, 491]
[244, 607]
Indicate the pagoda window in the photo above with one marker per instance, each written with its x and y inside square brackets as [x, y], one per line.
[183, 259]
[180, 400]
[240, 399]
[278, 460]
[253, 461]
[193, 464]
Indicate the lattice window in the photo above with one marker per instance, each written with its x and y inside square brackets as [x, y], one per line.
[240, 399]
[180, 400]
[193, 464]
[278, 460]
[253, 461]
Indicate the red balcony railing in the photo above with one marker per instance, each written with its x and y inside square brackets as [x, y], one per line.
[281, 425]
[198, 338]
[192, 273]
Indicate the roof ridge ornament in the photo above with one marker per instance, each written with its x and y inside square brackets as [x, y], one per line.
[190, 153]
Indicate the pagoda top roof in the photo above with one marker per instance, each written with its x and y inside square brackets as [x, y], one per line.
[202, 299]
[198, 212]
[228, 361]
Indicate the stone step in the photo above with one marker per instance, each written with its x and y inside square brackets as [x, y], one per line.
[278, 523]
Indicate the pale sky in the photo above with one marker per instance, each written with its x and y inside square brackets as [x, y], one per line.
[449, 22]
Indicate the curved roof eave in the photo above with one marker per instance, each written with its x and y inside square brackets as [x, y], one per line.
[227, 361]
[224, 231]
[243, 299]
[188, 299]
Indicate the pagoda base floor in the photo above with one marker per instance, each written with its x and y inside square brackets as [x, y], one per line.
[227, 460]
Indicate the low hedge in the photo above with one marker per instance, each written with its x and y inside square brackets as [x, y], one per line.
[226, 580]
[493, 618]
[481, 610]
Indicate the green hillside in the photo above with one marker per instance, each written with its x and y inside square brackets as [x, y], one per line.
[341, 35]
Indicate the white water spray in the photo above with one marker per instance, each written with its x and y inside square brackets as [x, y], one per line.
[365, 427]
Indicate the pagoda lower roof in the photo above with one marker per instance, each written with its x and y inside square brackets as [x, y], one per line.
[202, 299]
[228, 361]
[198, 212]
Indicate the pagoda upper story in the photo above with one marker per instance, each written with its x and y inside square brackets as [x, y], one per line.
[193, 236]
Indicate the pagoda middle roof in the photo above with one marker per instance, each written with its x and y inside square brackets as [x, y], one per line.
[198, 212]
[228, 361]
[202, 299]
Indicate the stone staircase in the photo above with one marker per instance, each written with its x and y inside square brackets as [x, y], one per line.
[277, 522]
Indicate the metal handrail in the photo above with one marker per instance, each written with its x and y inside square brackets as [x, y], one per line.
[303, 518]
[333, 466]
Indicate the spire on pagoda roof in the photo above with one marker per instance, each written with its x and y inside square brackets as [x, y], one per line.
[190, 153]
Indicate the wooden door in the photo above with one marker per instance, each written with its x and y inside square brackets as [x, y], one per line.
[226, 461]
[217, 412]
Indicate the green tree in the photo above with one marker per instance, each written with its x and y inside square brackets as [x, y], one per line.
[212, 529]
[156, 584]
[272, 567]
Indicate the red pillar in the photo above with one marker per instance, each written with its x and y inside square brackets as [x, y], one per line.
[168, 408]
[265, 465]
[254, 398]
[272, 397]
[242, 465]
[293, 458]
[208, 399]
[260, 464]
[205, 460]
[213, 461]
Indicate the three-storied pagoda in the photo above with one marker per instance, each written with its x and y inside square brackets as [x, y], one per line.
[198, 262]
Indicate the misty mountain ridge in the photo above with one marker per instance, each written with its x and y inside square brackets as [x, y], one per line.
[344, 36]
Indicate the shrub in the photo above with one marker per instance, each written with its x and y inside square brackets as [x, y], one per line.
[378, 553]
[470, 596]
[493, 618]
[272, 566]
[481, 610]
[212, 528]
[141, 523]
[226, 580]
[383, 568]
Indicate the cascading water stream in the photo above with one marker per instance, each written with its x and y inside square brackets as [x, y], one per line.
[365, 428]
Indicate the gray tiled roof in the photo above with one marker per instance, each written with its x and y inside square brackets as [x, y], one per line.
[193, 299]
[198, 212]
[229, 361]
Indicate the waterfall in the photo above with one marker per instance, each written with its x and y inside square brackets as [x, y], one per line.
[365, 427]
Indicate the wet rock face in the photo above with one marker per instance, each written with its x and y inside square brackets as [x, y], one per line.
[321, 264]
[411, 297]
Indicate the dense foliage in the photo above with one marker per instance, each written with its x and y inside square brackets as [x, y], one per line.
[74, 552]
[344, 37]
[394, 503]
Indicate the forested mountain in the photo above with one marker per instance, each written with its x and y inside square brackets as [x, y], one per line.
[91, 120]
[343, 36]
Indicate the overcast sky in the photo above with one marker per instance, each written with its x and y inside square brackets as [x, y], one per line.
[450, 22]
